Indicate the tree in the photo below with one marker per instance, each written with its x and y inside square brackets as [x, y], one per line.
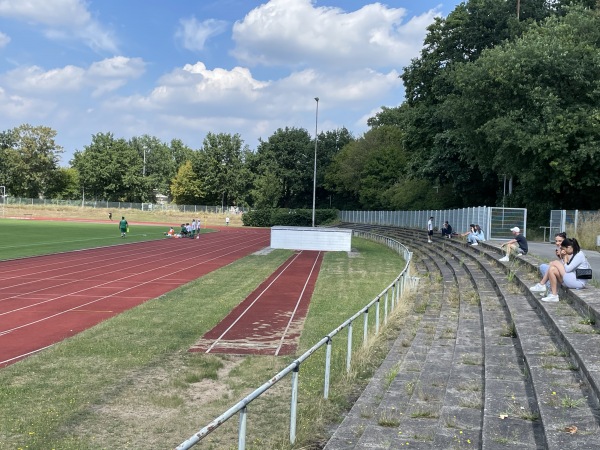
[65, 184]
[186, 188]
[29, 159]
[111, 169]
[288, 155]
[221, 167]
[160, 165]
[529, 109]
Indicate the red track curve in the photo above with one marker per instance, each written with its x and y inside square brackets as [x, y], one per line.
[46, 299]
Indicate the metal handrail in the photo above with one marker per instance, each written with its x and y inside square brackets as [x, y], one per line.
[391, 295]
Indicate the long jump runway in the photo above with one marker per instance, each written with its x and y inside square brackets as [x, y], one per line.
[46, 299]
[270, 320]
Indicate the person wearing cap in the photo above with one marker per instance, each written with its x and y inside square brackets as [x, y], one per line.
[517, 245]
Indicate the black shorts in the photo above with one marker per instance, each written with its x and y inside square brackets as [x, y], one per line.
[430, 233]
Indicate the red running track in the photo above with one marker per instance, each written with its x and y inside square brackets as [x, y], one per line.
[46, 299]
[269, 321]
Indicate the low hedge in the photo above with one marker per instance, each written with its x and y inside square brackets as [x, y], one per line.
[288, 217]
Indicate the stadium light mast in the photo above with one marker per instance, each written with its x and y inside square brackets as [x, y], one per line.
[315, 168]
[144, 168]
[3, 198]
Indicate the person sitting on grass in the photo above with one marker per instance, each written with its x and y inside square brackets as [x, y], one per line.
[184, 231]
[564, 272]
[518, 245]
[170, 233]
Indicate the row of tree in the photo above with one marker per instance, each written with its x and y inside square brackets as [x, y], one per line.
[502, 90]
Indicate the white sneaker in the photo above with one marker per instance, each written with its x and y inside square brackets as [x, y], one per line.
[429, 242]
[538, 288]
[475, 243]
[505, 259]
[550, 298]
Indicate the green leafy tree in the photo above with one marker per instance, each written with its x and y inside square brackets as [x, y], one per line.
[329, 144]
[180, 152]
[29, 160]
[529, 109]
[221, 166]
[186, 187]
[65, 184]
[111, 169]
[288, 155]
[160, 165]
[427, 116]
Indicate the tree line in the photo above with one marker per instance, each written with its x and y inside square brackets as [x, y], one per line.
[502, 107]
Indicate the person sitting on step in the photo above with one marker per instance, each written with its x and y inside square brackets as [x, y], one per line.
[518, 245]
[564, 273]
[446, 230]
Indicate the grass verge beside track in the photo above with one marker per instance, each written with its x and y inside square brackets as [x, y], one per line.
[129, 382]
[20, 238]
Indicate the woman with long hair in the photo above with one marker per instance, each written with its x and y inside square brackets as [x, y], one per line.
[565, 273]
[544, 285]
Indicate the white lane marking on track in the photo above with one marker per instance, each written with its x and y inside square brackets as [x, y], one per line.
[192, 258]
[109, 296]
[296, 307]
[23, 355]
[252, 304]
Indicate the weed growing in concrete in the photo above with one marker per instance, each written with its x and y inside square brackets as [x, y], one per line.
[510, 330]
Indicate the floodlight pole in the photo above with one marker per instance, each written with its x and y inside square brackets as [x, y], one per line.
[315, 168]
[144, 168]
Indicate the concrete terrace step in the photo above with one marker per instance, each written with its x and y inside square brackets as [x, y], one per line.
[407, 349]
[539, 364]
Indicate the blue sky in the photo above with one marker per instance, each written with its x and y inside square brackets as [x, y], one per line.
[183, 68]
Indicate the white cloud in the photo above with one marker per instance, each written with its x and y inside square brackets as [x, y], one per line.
[193, 34]
[294, 32]
[4, 39]
[103, 76]
[21, 108]
[62, 19]
[193, 100]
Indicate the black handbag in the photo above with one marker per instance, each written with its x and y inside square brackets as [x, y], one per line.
[583, 274]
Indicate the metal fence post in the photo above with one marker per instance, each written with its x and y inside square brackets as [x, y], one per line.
[327, 369]
[377, 317]
[365, 326]
[294, 404]
[349, 349]
[242, 429]
[385, 307]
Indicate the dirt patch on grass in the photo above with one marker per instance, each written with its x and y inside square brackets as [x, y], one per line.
[158, 408]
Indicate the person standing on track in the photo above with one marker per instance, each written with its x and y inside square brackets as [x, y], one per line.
[123, 225]
[194, 228]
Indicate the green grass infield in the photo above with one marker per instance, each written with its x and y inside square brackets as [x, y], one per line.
[21, 238]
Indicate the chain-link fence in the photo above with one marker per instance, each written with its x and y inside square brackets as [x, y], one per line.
[103, 204]
[496, 222]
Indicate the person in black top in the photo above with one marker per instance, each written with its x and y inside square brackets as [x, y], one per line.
[446, 230]
[518, 245]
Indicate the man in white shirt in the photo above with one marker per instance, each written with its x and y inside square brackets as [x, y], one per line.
[430, 229]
